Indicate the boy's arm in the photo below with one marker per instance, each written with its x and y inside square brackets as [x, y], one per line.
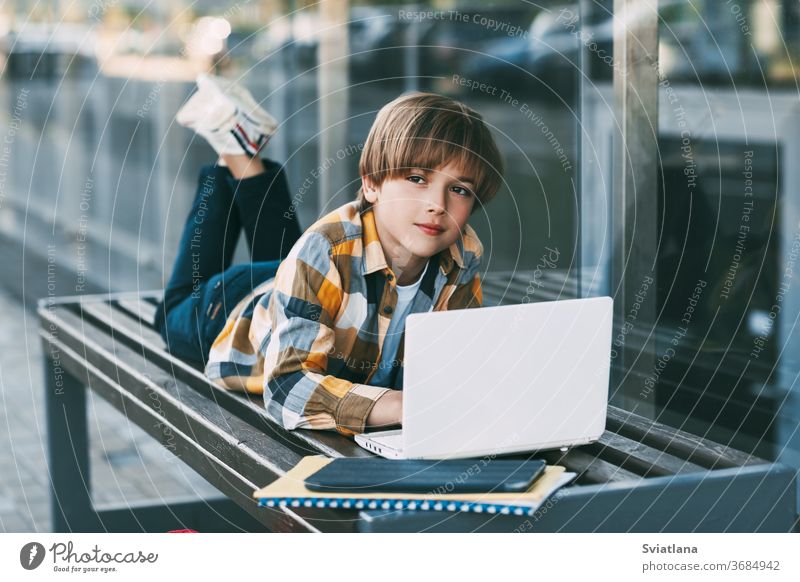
[297, 389]
[388, 411]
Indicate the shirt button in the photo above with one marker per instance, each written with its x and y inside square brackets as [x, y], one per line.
[388, 310]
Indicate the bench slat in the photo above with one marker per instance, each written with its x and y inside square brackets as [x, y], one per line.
[152, 299]
[682, 444]
[638, 457]
[590, 469]
[141, 310]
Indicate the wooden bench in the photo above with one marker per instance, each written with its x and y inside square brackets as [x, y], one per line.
[641, 476]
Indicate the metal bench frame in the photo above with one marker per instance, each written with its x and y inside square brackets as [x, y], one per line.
[642, 476]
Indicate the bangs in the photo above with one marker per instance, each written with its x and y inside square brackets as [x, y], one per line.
[428, 131]
[429, 154]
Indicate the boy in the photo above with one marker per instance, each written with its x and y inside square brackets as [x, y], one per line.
[323, 338]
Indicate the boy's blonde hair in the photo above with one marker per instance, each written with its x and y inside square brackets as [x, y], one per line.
[426, 130]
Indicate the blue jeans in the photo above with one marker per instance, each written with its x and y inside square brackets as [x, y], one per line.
[204, 287]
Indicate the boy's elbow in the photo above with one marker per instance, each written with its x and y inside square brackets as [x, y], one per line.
[290, 420]
[290, 411]
[276, 394]
[281, 415]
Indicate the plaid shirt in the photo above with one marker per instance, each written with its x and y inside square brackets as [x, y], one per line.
[311, 338]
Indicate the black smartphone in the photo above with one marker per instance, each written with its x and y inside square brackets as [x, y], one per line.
[366, 474]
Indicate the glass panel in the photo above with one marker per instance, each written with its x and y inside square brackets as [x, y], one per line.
[728, 294]
[727, 297]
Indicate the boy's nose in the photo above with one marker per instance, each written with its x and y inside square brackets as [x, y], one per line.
[437, 202]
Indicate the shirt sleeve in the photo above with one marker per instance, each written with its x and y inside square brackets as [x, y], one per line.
[298, 391]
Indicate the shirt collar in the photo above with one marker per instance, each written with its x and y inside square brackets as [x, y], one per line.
[374, 259]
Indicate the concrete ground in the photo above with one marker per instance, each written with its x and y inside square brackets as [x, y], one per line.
[127, 465]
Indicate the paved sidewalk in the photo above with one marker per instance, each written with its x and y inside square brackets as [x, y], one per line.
[127, 465]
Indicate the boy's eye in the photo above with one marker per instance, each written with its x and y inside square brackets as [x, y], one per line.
[460, 190]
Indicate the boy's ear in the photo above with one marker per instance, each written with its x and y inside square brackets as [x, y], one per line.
[370, 190]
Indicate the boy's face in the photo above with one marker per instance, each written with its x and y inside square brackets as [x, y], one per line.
[404, 206]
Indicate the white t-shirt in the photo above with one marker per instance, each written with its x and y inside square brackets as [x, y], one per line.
[391, 343]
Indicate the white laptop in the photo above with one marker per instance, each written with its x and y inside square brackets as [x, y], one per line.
[499, 380]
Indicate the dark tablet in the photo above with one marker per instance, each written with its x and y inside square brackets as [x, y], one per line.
[362, 475]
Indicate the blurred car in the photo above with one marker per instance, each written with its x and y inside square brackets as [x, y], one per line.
[43, 51]
[692, 47]
[546, 60]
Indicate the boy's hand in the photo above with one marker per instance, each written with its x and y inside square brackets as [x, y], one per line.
[388, 410]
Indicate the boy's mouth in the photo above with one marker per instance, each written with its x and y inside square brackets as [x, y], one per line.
[430, 228]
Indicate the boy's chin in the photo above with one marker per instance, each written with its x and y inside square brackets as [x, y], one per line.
[426, 251]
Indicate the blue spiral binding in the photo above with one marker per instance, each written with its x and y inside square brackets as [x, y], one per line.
[398, 504]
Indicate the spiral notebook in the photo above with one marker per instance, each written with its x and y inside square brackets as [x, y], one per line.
[289, 491]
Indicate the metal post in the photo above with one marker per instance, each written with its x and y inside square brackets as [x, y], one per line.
[68, 450]
[635, 200]
[411, 60]
[333, 101]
